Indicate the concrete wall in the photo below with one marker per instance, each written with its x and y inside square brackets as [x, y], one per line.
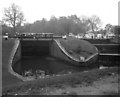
[56, 52]
[35, 48]
[8, 77]
[43, 48]
[39, 49]
[16, 57]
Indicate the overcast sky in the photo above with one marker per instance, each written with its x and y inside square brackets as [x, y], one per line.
[106, 10]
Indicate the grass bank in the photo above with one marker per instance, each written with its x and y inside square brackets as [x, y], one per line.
[72, 80]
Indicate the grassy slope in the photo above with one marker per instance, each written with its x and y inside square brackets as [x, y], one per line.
[77, 47]
[108, 85]
[7, 78]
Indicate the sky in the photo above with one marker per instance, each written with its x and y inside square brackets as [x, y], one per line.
[106, 10]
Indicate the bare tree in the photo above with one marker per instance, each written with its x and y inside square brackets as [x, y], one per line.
[93, 23]
[13, 16]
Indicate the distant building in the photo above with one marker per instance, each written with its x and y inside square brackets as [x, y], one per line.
[99, 36]
[71, 34]
[110, 35]
[80, 35]
[90, 35]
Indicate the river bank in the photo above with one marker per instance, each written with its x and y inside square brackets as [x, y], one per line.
[93, 82]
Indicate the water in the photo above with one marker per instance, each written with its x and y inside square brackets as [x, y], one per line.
[48, 64]
[52, 65]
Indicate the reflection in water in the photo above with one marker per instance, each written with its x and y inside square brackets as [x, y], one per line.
[48, 64]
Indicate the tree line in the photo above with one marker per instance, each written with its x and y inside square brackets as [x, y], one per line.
[14, 21]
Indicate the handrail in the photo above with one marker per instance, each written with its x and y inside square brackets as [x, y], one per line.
[106, 44]
[109, 54]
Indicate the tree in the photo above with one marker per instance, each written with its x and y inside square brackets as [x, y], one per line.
[93, 23]
[116, 30]
[76, 25]
[13, 17]
[26, 27]
[59, 26]
[52, 25]
[39, 26]
[108, 27]
[5, 29]
[64, 24]
[85, 23]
